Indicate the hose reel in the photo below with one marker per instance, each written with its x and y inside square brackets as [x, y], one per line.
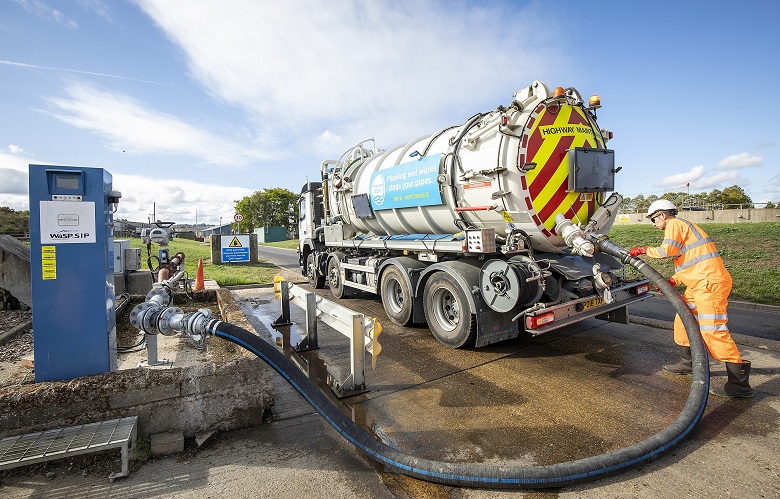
[505, 284]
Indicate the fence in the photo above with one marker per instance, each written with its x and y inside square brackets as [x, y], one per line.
[710, 215]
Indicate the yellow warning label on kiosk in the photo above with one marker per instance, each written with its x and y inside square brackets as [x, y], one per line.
[49, 262]
[235, 243]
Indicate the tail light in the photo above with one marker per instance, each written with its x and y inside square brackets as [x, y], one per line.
[535, 321]
[640, 290]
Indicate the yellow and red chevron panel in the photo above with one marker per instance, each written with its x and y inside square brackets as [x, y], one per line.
[550, 131]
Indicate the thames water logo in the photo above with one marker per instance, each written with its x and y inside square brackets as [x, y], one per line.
[378, 190]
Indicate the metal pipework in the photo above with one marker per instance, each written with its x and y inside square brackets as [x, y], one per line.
[174, 264]
[574, 237]
[155, 316]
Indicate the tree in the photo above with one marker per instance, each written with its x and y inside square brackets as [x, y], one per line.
[274, 207]
[715, 198]
[679, 199]
[734, 195]
[14, 223]
[637, 204]
[770, 204]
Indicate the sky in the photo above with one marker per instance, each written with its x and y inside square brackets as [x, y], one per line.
[192, 105]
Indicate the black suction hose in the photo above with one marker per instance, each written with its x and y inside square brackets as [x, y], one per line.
[497, 476]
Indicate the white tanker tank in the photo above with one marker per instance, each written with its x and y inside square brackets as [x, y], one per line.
[514, 168]
[469, 229]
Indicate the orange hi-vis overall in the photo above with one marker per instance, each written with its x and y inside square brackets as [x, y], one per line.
[698, 265]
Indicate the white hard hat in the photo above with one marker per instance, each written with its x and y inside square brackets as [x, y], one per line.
[661, 205]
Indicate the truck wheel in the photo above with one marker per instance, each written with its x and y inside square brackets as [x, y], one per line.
[334, 278]
[396, 297]
[315, 280]
[448, 312]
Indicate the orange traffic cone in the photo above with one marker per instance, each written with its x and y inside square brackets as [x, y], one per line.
[199, 284]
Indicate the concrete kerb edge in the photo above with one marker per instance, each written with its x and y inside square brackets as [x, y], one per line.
[740, 339]
[15, 332]
[774, 309]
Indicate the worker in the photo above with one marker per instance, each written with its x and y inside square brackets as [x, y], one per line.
[698, 266]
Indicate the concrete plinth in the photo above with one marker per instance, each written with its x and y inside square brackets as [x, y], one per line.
[138, 282]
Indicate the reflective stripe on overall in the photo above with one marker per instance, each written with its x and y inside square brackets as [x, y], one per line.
[708, 303]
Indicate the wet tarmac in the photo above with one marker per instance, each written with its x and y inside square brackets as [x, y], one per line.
[584, 390]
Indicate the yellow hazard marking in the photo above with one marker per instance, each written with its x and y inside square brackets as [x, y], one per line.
[551, 134]
[278, 286]
[235, 243]
[49, 262]
[507, 216]
[550, 130]
[376, 348]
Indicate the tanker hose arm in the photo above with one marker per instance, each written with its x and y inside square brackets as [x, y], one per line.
[465, 128]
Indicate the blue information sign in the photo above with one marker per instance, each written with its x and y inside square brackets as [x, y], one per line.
[407, 185]
[235, 248]
[235, 255]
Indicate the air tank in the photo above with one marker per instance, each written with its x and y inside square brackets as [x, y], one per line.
[512, 169]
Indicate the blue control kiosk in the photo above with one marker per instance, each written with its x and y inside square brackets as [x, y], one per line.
[72, 270]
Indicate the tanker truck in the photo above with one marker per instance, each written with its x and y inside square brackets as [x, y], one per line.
[480, 229]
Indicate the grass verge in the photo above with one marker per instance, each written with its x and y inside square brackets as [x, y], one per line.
[749, 251]
[225, 275]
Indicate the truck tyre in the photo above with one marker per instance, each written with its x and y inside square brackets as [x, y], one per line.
[316, 280]
[396, 297]
[334, 278]
[448, 312]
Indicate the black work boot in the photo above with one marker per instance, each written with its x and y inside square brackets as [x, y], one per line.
[737, 384]
[682, 367]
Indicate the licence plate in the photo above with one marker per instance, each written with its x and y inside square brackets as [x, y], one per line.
[593, 302]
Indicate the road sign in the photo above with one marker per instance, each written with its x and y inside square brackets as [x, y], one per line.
[238, 217]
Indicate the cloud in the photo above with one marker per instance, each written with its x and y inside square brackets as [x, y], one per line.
[720, 179]
[740, 160]
[13, 181]
[40, 9]
[179, 201]
[698, 179]
[98, 7]
[14, 184]
[175, 199]
[328, 140]
[679, 179]
[70, 70]
[350, 66]
[15, 149]
[129, 125]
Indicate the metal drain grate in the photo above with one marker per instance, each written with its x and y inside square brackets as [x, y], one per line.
[42, 446]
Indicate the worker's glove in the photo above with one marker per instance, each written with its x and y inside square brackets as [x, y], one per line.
[671, 281]
[642, 250]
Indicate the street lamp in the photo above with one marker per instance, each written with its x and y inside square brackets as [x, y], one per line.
[688, 185]
[220, 226]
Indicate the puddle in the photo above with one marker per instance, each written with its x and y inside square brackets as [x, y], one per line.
[290, 337]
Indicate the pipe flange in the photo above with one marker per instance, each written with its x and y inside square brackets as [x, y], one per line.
[141, 317]
[165, 322]
[161, 295]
